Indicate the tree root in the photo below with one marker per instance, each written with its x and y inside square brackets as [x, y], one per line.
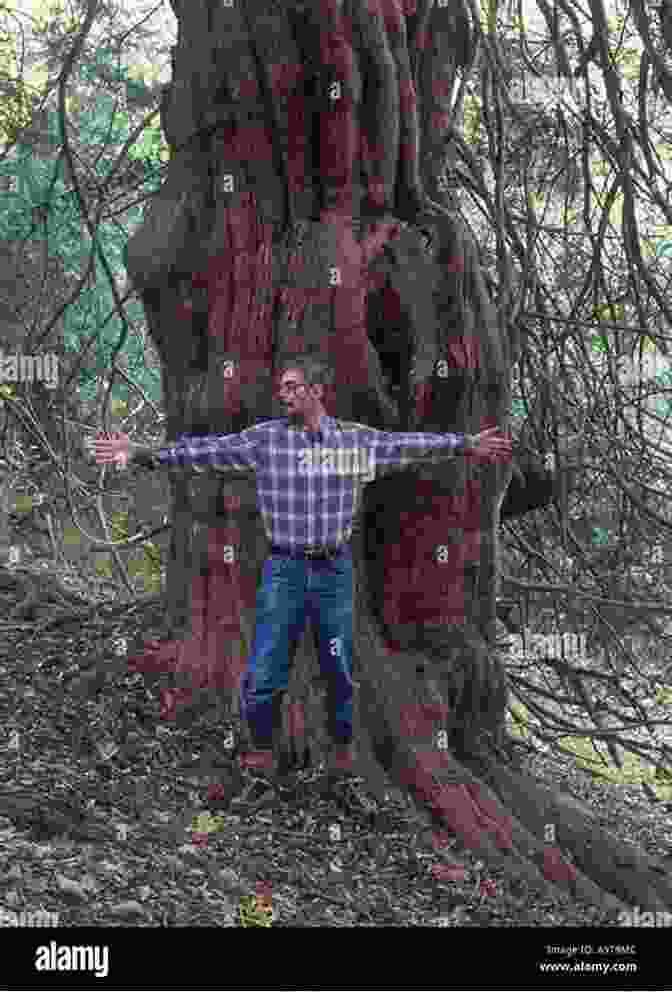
[502, 815]
[612, 864]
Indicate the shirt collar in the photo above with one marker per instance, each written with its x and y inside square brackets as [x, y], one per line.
[325, 428]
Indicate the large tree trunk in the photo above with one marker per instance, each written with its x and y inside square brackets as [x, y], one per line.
[233, 263]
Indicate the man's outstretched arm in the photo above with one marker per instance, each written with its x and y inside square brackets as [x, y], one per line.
[397, 450]
[235, 452]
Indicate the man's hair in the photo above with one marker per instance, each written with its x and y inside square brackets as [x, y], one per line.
[316, 370]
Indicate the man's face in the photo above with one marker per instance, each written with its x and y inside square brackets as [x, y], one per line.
[296, 397]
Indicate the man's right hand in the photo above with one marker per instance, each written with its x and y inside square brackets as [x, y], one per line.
[112, 449]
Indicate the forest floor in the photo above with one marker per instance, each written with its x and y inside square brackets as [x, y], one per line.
[98, 797]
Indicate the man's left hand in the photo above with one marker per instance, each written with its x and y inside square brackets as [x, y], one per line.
[491, 445]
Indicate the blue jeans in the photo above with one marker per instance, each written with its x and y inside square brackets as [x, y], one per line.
[293, 590]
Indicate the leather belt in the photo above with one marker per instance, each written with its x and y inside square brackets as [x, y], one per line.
[310, 551]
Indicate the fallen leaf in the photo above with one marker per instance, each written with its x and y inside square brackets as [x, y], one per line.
[216, 791]
[449, 873]
[488, 888]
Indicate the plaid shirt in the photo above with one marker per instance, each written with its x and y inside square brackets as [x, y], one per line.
[309, 484]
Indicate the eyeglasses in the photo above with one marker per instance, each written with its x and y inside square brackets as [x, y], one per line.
[290, 387]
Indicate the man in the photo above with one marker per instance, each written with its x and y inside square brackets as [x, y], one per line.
[310, 469]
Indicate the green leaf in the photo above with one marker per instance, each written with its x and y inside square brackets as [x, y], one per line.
[662, 231]
[519, 720]
[600, 168]
[71, 536]
[152, 552]
[23, 503]
[628, 60]
[103, 566]
[615, 209]
[634, 770]
[149, 567]
[472, 120]
[609, 311]
[119, 528]
[599, 343]
[119, 408]
[205, 823]
[488, 16]
[616, 212]
[583, 749]
[252, 914]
